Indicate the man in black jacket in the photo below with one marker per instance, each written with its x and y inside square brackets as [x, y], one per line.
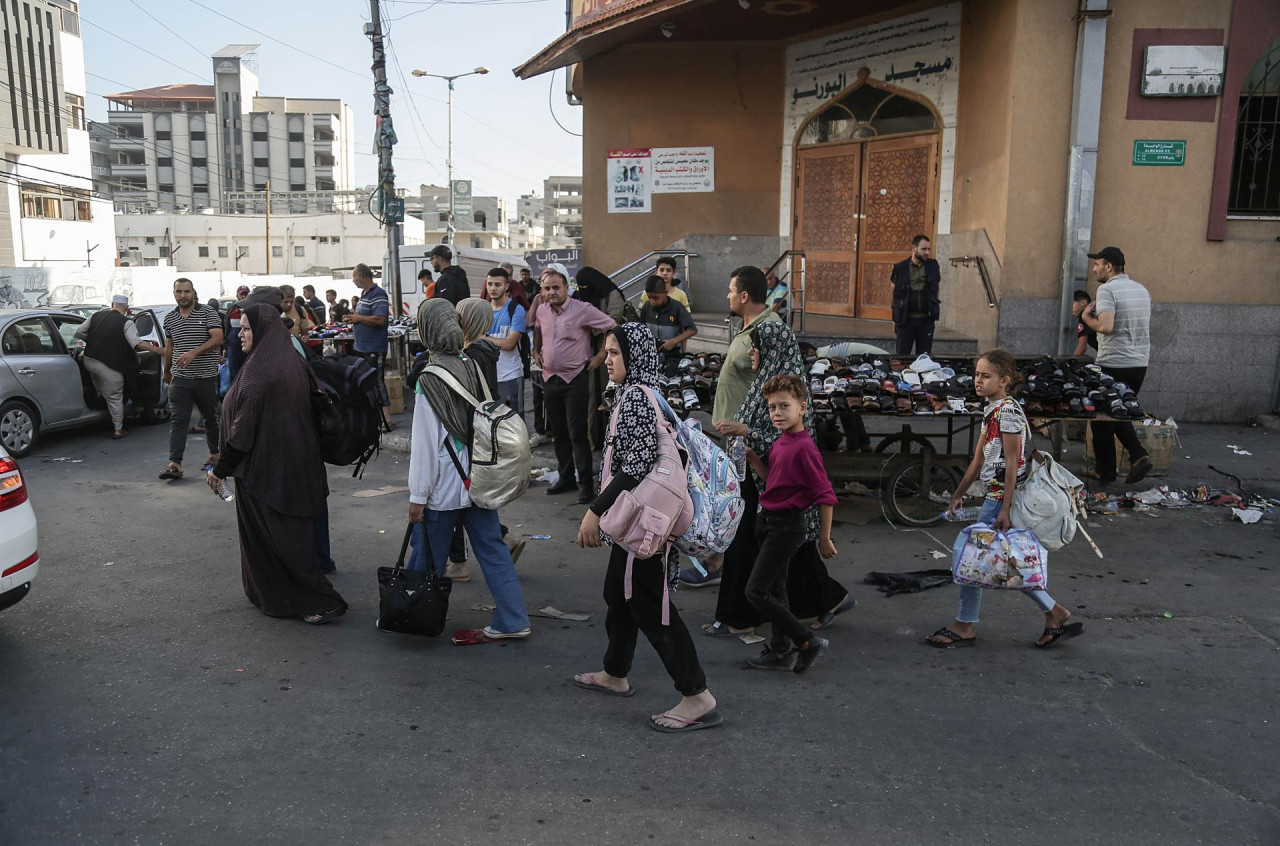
[915, 297]
[109, 355]
[451, 281]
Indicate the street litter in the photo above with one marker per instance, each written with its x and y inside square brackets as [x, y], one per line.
[749, 639]
[486, 608]
[556, 614]
[937, 553]
[544, 474]
[1237, 450]
[382, 491]
[915, 581]
[1247, 515]
[539, 537]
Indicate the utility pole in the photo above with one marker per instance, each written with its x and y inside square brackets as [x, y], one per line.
[385, 138]
[449, 229]
[268, 187]
[88, 254]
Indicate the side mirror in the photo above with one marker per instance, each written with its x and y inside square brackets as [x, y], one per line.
[144, 324]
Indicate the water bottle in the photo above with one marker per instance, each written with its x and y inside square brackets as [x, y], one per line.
[964, 515]
[738, 454]
[224, 487]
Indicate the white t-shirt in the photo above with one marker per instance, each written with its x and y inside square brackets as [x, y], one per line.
[509, 317]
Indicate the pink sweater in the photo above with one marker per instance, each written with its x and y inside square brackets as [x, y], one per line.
[797, 477]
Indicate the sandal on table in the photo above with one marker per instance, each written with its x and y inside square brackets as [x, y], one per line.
[710, 720]
[1066, 632]
[954, 640]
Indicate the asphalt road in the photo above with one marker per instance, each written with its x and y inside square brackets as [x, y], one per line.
[143, 700]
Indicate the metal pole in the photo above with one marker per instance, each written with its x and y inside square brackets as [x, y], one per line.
[385, 138]
[449, 229]
[268, 186]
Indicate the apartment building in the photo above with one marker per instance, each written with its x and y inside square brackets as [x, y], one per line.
[562, 201]
[194, 146]
[49, 214]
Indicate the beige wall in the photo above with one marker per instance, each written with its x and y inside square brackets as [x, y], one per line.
[729, 97]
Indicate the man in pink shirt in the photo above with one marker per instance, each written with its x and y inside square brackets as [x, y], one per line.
[562, 334]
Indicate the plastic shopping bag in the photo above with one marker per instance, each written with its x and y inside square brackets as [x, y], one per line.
[1012, 560]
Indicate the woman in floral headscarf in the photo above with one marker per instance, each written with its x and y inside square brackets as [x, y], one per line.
[811, 592]
[636, 591]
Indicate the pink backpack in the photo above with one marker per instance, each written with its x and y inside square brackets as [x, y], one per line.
[647, 519]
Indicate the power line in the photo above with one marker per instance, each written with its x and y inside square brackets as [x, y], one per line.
[203, 53]
[278, 40]
[551, 87]
[138, 47]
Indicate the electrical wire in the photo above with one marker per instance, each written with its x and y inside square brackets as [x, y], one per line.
[551, 87]
[204, 54]
[143, 49]
[279, 40]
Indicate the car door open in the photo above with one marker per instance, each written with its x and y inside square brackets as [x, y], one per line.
[149, 390]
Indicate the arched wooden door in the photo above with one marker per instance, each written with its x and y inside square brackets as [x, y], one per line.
[860, 197]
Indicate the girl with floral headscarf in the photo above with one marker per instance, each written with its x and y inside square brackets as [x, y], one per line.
[631, 358]
[811, 592]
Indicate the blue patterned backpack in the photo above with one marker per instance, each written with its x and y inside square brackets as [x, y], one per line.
[714, 487]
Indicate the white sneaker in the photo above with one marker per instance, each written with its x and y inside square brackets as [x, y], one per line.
[491, 632]
[536, 440]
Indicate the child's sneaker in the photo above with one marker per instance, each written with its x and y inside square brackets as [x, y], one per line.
[770, 660]
[806, 658]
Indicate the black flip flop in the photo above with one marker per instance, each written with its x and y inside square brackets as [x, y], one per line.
[708, 721]
[170, 474]
[631, 691]
[719, 629]
[1066, 632]
[828, 617]
[956, 641]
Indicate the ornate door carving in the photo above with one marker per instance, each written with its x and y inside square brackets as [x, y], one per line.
[827, 193]
[900, 187]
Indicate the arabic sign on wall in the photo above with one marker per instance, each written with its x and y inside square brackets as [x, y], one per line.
[919, 53]
[538, 261]
[684, 170]
[630, 178]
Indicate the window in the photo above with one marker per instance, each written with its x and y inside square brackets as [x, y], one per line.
[259, 162]
[200, 187]
[71, 19]
[29, 337]
[277, 252]
[67, 327]
[295, 136]
[75, 110]
[222, 252]
[1255, 165]
[164, 188]
[202, 252]
[197, 135]
[164, 252]
[297, 163]
[200, 162]
[164, 135]
[324, 239]
[297, 186]
[867, 111]
[164, 161]
[259, 186]
[55, 203]
[299, 252]
[259, 136]
[149, 241]
[335, 239]
[242, 252]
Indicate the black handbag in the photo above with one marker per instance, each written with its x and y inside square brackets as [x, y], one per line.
[411, 602]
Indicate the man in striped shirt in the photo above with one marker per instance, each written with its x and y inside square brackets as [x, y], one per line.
[193, 338]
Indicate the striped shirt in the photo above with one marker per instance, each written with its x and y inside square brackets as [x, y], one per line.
[188, 333]
[1129, 344]
[373, 302]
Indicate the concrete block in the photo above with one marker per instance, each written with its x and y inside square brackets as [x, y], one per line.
[1028, 312]
[1165, 404]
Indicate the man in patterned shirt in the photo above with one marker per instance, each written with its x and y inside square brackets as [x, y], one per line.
[193, 338]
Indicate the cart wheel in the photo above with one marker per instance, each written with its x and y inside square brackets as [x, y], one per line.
[916, 501]
[904, 445]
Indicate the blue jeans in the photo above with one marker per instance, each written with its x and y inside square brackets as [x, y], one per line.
[971, 595]
[486, 542]
[512, 393]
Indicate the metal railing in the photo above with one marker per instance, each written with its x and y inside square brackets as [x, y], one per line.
[992, 302]
[796, 311]
[649, 265]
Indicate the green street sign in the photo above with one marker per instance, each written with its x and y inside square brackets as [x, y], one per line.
[1160, 153]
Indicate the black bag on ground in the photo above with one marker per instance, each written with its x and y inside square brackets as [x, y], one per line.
[411, 602]
[344, 402]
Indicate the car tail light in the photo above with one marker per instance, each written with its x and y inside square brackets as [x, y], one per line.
[12, 490]
[24, 563]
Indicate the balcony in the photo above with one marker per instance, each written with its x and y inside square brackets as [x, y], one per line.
[122, 170]
[323, 145]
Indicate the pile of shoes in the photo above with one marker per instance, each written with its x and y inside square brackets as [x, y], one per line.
[1071, 388]
[879, 385]
[689, 383]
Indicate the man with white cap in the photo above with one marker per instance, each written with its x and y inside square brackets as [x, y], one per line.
[110, 355]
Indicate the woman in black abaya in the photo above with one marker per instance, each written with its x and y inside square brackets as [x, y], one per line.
[269, 446]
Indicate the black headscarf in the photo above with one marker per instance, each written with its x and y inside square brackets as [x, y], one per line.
[594, 287]
[266, 419]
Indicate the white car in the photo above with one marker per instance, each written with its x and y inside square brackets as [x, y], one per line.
[19, 560]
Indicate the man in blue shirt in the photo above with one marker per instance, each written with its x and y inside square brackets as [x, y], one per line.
[507, 331]
[369, 326]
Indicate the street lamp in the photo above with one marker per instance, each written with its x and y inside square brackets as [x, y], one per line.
[449, 232]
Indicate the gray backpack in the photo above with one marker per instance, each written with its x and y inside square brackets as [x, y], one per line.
[500, 454]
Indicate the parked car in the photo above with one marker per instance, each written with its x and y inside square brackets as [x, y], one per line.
[85, 310]
[19, 561]
[44, 387]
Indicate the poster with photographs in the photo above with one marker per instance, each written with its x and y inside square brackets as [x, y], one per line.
[630, 182]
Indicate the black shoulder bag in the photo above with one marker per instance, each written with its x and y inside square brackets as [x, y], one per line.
[411, 602]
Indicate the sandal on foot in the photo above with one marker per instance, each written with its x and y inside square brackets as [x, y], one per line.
[171, 471]
[827, 618]
[719, 629]
[710, 720]
[595, 685]
[321, 619]
[953, 640]
[1066, 632]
